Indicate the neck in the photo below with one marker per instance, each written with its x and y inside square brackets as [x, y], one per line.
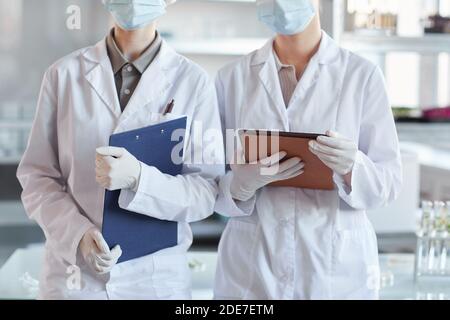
[133, 43]
[299, 48]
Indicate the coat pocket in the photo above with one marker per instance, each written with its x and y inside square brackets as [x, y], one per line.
[355, 269]
[171, 276]
[152, 277]
[236, 265]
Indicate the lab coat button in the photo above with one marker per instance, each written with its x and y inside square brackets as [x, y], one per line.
[129, 68]
[127, 91]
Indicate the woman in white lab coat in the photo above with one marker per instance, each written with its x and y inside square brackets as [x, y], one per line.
[291, 243]
[78, 110]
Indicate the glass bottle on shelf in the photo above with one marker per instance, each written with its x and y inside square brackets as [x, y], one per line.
[427, 218]
[435, 242]
[446, 267]
[441, 236]
[423, 245]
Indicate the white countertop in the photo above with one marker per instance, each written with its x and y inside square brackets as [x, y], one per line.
[18, 276]
[428, 156]
[397, 271]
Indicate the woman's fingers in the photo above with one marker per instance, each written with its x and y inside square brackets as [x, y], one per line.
[115, 152]
[108, 259]
[292, 172]
[295, 174]
[101, 243]
[104, 182]
[316, 147]
[99, 269]
[336, 143]
[103, 260]
[328, 160]
[273, 159]
[116, 252]
[288, 164]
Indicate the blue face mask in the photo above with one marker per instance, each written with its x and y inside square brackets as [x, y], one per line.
[286, 17]
[135, 14]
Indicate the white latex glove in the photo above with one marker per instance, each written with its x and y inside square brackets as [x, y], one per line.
[116, 169]
[96, 253]
[248, 178]
[336, 152]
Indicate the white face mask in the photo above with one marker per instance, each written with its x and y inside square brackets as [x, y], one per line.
[286, 17]
[135, 14]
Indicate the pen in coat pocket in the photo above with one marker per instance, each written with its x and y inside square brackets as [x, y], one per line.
[169, 107]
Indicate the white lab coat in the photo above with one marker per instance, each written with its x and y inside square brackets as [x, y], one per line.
[77, 111]
[288, 243]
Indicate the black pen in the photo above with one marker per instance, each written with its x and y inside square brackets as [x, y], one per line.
[169, 107]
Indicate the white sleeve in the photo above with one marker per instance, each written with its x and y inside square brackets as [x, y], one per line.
[377, 173]
[229, 207]
[44, 193]
[226, 205]
[190, 196]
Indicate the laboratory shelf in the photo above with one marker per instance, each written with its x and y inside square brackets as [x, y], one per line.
[432, 43]
[217, 46]
[429, 43]
[433, 135]
[235, 1]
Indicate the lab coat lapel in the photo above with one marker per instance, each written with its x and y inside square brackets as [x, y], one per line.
[327, 53]
[315, 103]
[153, 83]
[307, 80]
[99, 74]
[268, 76]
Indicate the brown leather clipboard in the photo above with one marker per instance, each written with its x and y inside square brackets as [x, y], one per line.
[316, 174]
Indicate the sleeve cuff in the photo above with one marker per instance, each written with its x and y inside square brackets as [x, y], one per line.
[71, 255]
[129, 199]
[227, 206]
[152, 184]
[346, 192]
[138, 180]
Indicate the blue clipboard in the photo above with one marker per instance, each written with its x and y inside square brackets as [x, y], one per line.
[140, 235]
